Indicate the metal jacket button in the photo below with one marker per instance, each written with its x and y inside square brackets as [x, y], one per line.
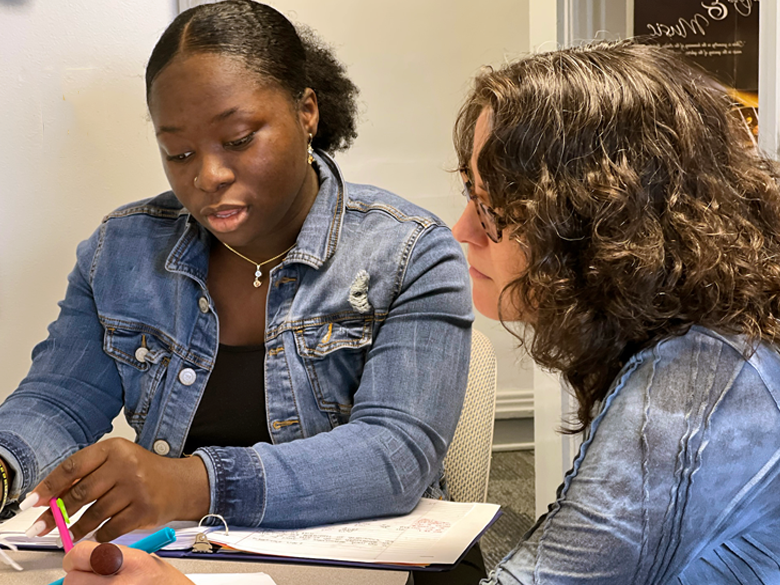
[161, 447]
[187, 376]
[203, 304]
[141, 353]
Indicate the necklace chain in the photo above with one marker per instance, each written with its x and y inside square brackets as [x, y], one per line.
[258, 273]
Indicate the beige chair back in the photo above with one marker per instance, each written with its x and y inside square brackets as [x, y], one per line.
[467, 464]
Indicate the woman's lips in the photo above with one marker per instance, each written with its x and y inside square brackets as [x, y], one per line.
[474, 273]
[227, 220]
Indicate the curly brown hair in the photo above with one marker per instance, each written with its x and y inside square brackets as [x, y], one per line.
[626, 178]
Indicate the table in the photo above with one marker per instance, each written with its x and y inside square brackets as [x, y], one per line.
[41, 568]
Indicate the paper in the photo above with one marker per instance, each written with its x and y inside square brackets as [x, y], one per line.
[13, 531]
[435, 532]
[230, 579]
[185, 535]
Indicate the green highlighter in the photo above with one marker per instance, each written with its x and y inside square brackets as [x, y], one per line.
[61, 506]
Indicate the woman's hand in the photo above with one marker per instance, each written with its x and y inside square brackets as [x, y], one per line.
[131, 487]
[138, 568]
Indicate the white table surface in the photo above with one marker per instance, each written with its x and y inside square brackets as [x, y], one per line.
[41, 568]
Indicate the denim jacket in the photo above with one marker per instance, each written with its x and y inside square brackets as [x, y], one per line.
[368, 323]
[678, 479]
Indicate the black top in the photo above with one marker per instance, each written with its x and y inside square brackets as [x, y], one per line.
[232, 411]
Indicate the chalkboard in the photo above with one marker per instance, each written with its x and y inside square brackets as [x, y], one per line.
[719, 35]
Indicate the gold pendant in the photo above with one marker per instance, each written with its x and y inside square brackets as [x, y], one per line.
[258, 275]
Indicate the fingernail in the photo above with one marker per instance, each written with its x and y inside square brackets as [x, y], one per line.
[31, 499]
[36, 529]
[72, 539]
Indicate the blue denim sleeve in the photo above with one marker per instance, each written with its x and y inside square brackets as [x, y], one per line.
[403, 417]
[662, 488]
[70, 395]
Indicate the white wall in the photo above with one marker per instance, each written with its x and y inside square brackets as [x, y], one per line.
[769, 80]
[75, 142]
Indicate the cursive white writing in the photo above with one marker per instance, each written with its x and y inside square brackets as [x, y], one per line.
[716, 10]
[695, 25]
[743, 7]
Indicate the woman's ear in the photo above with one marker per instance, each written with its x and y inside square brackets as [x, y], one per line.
[309, 112]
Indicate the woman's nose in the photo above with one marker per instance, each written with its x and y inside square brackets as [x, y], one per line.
[214, 175]
[468, 229]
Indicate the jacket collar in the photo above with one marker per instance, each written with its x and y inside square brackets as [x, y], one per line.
[320, 232]
[315, 244]
[190, 255]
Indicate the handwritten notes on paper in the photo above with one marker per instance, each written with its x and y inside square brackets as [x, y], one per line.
[435, 532]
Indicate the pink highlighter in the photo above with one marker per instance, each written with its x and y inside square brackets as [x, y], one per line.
[59, 519]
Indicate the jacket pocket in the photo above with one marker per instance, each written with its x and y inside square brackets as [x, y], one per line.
[142, 361]
[334, 355]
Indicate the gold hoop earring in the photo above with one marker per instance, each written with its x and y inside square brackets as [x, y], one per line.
[309, 150]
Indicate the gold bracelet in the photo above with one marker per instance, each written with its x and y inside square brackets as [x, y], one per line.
[4, 474]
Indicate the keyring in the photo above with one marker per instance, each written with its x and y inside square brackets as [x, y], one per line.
[227, 530]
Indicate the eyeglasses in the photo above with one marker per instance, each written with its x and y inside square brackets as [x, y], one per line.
[492, 222]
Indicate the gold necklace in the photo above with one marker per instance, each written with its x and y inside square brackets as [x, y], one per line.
[258, 273]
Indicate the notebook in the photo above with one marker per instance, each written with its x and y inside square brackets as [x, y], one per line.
[435, 535]
[13, 531]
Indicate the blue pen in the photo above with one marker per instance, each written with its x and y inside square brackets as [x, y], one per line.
[150, 544]
[156, 541]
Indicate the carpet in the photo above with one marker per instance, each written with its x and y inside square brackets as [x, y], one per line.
[512, 486]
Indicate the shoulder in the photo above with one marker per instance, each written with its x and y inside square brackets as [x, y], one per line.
[397, 225]
[414, 238]
[697, 357]
[349, 220]
[164, 205]
[162, 217]
[693, 379]
[135, 218]
[149, 227]
[368, 199]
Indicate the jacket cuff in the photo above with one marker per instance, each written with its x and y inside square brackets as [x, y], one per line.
[21, 460]
[236, 482]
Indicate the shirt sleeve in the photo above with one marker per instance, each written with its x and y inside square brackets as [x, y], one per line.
[402, 420]
[72, 392]
[662, 479]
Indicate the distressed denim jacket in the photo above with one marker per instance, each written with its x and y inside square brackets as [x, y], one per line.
[368, 325]
[677, 481]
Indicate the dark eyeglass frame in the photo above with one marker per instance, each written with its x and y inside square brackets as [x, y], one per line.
[491, 221]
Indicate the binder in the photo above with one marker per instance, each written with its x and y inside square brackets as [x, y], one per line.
[447, 529]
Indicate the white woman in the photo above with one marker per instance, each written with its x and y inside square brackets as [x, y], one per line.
[614, 209]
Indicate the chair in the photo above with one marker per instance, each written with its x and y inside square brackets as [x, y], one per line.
[467, 464]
